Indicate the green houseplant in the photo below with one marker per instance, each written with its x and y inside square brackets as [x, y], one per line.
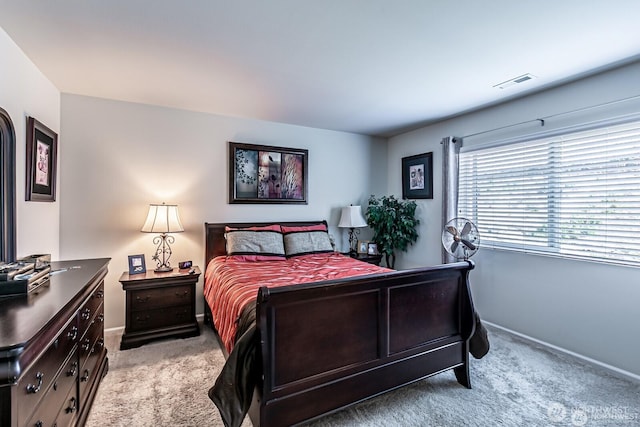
[394, 225]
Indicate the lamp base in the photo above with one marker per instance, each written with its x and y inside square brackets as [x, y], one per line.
[164, 269]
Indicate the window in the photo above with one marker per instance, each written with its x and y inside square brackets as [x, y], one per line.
[572, 195]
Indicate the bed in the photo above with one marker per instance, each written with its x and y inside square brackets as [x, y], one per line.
[321, 346]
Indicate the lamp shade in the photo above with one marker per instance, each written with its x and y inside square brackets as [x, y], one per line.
[163, 219]
[351, 217]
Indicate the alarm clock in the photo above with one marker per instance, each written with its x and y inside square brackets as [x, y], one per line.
[185, 264]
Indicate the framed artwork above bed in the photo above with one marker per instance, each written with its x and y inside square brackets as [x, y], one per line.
[267, 174]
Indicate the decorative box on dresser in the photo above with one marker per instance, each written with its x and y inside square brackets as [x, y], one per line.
[52, 353]
[159, 305]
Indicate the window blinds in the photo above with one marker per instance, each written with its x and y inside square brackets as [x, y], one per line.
[574, 195]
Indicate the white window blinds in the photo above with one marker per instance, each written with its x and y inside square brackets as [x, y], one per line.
[574, 195]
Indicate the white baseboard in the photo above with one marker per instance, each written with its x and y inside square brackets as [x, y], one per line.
[612, 369]
[115, 330]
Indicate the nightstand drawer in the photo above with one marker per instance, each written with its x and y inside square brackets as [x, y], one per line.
[149, 299]
[160, 318]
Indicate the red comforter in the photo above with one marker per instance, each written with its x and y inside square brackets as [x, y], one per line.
[230, 284]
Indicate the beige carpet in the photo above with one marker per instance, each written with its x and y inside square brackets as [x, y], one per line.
[516, 384]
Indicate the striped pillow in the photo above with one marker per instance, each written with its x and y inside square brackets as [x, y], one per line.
[308, 239]
[255, 243]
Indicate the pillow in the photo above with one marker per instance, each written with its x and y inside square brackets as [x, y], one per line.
[306, 239]
[255, 243]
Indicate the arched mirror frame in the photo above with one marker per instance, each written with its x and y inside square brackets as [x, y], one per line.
[8, 188]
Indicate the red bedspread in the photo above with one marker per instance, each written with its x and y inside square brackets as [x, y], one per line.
[231, 284]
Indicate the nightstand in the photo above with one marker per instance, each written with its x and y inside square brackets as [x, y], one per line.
[159, 305]
[371, 259]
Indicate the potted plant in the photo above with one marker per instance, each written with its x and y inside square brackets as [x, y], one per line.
[394, 225]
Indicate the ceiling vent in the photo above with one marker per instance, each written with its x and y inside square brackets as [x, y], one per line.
[516, 80]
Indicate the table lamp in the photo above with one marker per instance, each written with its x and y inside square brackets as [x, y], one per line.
[352, 218]
[163, 219]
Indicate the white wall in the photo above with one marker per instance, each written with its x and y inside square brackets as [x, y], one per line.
[25, 91]
[587, 308]
[119, 157]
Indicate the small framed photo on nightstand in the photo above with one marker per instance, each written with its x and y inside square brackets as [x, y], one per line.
[137, 264]
[372, 249]
[363, 246]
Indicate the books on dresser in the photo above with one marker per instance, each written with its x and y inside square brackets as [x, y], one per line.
[24, 275]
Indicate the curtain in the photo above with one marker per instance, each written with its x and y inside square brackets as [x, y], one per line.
[450, 149]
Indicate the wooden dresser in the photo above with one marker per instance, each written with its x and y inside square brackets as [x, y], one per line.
[52, 353]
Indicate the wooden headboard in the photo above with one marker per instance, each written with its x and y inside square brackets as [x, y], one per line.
[214, 235]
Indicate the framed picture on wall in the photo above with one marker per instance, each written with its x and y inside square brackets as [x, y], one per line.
[42, 153]
[267, 174]
[417, 176]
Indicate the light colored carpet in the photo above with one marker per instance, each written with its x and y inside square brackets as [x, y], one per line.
[517, 384]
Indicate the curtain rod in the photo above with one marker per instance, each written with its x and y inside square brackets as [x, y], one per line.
[542, 119]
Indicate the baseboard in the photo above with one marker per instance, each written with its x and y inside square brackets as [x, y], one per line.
[115, 330]
[612, 369]
[118, 329]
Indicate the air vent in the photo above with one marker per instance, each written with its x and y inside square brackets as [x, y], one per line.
[516, 80]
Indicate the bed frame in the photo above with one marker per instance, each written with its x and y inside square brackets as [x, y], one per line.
[328, 345]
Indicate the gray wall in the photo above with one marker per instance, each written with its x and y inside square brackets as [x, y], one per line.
[25, 91]
[583, 307]
[119, 157]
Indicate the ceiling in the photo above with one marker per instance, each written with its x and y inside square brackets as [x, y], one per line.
[376, 67]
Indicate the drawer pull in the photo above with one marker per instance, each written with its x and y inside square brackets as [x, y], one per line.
[142, 319]
[72, 408]
[38, 423]
[72, 372]
[86, 345]
[85, 377]
[100, 294]
[72, 334]
[183, 294]
[35, 388]
[98, 346]
[143, 299]
[86, 314]
[100, 318]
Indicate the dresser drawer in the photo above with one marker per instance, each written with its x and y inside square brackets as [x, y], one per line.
[88, 311]
[69, 412]
[160, 318]
[62, 390]
[90, 369]
[42, 374]
[149, 299]
[87, 343]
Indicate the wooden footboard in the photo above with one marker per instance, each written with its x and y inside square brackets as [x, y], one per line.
[328, 345]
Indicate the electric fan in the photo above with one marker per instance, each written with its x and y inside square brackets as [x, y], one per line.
[460, 238]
